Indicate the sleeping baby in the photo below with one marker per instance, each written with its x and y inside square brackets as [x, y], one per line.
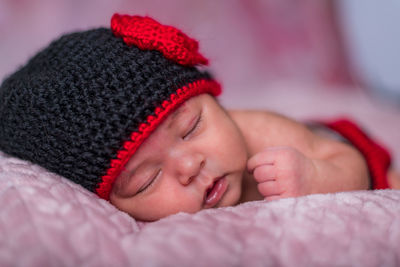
[128, 114]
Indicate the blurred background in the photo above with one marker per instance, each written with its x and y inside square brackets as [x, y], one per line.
[304, 58]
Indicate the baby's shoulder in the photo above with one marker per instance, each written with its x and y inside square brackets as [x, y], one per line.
[265, 128]
[253, 116]
[260, 120]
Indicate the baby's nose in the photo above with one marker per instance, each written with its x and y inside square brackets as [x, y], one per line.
[187, 166]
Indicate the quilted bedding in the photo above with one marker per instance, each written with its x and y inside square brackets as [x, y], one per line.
[45, 220]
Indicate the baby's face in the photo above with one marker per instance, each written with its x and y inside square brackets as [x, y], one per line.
[194, 160]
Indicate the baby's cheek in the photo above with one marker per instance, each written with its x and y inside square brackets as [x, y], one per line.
[186, 199]
[231, 199]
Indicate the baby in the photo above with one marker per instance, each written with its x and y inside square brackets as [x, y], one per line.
[127, 114]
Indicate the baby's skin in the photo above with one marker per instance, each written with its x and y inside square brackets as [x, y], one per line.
[203, 156]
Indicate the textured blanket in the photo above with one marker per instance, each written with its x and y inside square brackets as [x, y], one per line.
[46, 220]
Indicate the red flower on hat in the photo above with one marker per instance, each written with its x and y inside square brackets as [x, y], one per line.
[148, 34]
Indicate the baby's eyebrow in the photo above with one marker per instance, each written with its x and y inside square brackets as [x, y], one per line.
[175, 115]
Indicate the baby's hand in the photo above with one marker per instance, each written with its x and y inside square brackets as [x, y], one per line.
[281, 172]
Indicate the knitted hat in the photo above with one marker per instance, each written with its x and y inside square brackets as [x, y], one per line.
[82, 106]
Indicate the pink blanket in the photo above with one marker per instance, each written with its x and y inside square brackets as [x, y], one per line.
[46, 220]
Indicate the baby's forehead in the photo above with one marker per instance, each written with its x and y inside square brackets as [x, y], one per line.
[183, 108]
[168, 125]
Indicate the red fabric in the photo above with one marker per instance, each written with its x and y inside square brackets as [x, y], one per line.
[145, 129]
[377, 157]
[148, 34]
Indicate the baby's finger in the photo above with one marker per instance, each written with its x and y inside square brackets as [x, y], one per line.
[264, 173]
[274, 197]
[265, 157]
[269, 188]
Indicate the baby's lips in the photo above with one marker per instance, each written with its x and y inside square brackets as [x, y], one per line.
[215, 192]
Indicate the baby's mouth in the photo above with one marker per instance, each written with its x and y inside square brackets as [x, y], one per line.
[215, 192]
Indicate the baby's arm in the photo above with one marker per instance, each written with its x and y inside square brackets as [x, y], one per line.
[286, 172]
[294, 161]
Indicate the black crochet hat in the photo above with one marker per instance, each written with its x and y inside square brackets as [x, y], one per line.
[82, 106]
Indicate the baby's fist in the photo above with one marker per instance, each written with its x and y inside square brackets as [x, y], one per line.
[281, 172]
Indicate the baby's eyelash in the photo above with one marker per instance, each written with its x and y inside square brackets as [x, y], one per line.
[195, 126]
[149, 184]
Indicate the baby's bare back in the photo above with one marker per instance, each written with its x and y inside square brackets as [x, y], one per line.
[263, 129]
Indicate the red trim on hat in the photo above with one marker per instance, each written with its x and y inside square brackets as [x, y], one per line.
[148, 34]
[377, 157]
[145, 129]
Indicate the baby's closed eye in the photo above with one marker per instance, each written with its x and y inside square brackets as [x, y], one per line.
[149, 182]
[193, 126]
